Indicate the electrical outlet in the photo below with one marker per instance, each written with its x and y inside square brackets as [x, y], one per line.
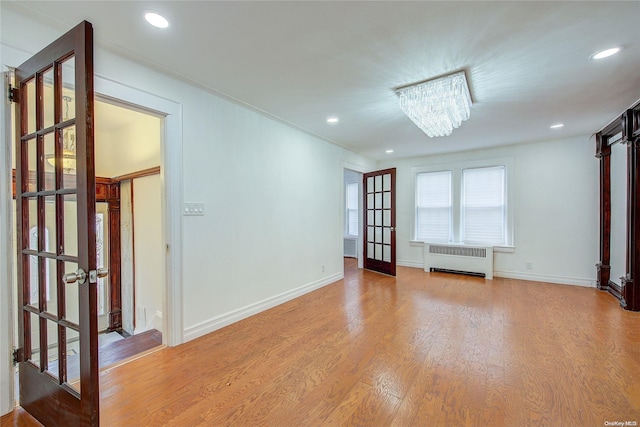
[193, 209]
[323, 268]
[529, 265]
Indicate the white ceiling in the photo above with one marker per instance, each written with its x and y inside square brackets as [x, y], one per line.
[527, 62]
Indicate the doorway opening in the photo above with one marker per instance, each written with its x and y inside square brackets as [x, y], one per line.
[128, 156]
[352, 239]
[129, 236]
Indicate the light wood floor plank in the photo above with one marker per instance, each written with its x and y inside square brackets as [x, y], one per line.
[372, 350]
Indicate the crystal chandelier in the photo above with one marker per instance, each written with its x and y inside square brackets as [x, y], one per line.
[437, 106]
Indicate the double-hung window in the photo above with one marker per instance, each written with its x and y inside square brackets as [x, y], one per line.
[463, 204]
[483, 205]
[433, 206]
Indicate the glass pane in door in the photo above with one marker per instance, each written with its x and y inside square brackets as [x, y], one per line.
[34, 325]
[29, 178]
[71, 295]
[47, 98]
[69, 214]
[30, 96]
[52, 289]
[73, 358]
[49, 162]
[68, 89]
[52, 349]
[69, 157]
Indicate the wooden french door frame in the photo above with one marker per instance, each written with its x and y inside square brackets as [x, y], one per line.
[379, 252]
[108, 191]
[46, 391]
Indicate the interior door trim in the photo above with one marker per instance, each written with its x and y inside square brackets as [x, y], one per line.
[7, 317]
[171, 177]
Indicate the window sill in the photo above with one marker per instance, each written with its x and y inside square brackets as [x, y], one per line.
[502, 249]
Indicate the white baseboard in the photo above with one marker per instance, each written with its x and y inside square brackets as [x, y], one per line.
[407, 263]
[218, 322]
[561, 280]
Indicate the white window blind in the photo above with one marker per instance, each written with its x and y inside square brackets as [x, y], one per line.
[483, 205]
[352, 208]
[433, 206]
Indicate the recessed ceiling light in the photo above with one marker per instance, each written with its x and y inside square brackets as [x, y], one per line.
[389, 151]
[156, 20]
[332, 120]
[605, 53]
[557, 126]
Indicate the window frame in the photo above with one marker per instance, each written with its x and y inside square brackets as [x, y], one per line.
[456, 197]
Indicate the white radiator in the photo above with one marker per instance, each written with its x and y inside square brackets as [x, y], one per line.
[476, 260]
[351, 247]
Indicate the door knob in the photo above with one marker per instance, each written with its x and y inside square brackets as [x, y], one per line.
[79, 276]
[94, 275]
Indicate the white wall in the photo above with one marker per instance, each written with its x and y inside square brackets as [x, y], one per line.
[131, 148]
[127, 270]
[149, 253]
[555, 187]
[272, 194]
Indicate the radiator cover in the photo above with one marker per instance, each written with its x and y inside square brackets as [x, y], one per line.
[476, 260]
[350, 247]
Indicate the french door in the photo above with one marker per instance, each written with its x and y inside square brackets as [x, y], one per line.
[380, 221]
[55, 199]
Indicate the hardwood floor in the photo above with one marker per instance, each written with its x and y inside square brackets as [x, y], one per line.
[420, 349]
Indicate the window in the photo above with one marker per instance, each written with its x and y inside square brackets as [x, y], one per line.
[352, 209]
[483, 205]
[463, 203]
[433, 206]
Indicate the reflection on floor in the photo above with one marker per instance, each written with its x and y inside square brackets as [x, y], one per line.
[113, 348]
[120, 349]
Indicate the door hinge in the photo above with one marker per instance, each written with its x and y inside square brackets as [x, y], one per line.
[17, 356]
[13, 94]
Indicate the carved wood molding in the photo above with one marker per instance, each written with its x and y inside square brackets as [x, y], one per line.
[138, 174]
[631, 283]
[103, 185]
[628, 292]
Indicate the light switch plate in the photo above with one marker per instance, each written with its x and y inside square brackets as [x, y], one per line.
[193, 209]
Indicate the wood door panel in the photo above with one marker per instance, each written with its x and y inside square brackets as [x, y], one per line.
[55, 216]
[380, 221]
